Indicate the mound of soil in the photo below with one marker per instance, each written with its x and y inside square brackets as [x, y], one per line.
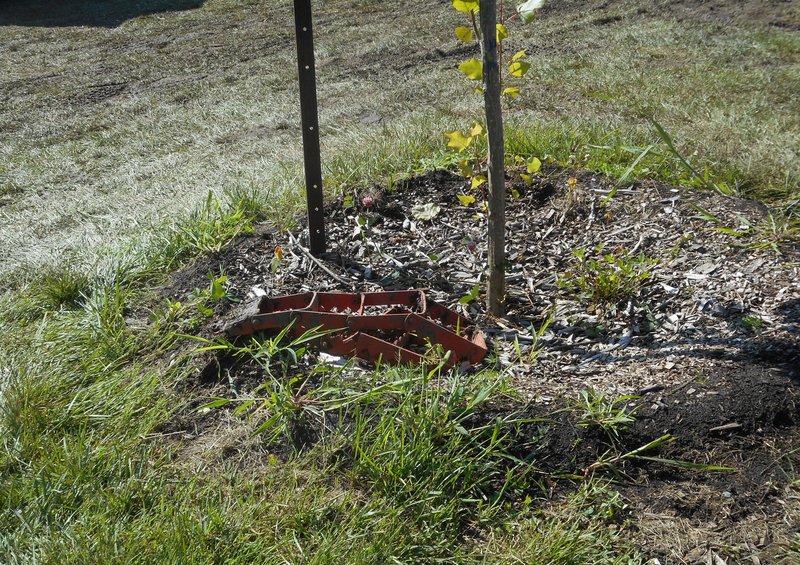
[707, 337]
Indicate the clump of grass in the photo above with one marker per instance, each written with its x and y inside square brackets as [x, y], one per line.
[606, 280]
[207, 229]
[394, 152]
[253, 201]
[283, 403]
[424, 444]
[211, 227]
[56, 289]
[613, 415]
[62, 288]
[778, 232]
[416, 438]
[752, 323]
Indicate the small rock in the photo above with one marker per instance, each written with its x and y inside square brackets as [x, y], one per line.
[719, 310]
[670, 289]
[371, 119]
[706, 268]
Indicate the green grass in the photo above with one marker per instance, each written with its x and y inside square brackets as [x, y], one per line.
[720, 92]
[88, 475]
[90, 472]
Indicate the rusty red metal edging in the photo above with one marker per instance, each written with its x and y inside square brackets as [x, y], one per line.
[351, 327]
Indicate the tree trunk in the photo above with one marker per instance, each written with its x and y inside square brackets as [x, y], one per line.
[496, 157]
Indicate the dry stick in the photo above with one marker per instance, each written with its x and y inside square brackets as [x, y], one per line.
[496, 157]
[318, 263]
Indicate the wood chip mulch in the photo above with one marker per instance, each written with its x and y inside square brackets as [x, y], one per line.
[711, 299]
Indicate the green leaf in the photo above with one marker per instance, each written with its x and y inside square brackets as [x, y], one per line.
[629, 170]
[707, 216]
[275, 264]
[476, 130]
[511, 91]
[458, 140]
[527, 178]
[467, 6]
[658, 442]
[473, 294]
[244, 406]
[598, 95]
[473, 69]
[502, 32]
[466, 200]
[534, 166]
[730, 231]
[477, 181]
[215, 404]
[519, 68]
[217, 288]
[464, 34]
[519, 55]
[687, 464]
[465, 168]
[269, 423]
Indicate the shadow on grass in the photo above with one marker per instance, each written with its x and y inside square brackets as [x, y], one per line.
[99, 13]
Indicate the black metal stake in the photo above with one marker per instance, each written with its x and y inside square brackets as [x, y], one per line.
[310, 122]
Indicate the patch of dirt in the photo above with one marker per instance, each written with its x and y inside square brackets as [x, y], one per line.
[110, 13]
[743, 13]
[709, 343]
[98, 93]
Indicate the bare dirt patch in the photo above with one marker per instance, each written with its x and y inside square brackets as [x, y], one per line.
[745, 14]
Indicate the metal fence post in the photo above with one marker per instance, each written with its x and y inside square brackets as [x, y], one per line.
[310, 124]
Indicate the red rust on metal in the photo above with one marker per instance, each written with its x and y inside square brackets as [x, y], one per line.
[371, 325]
